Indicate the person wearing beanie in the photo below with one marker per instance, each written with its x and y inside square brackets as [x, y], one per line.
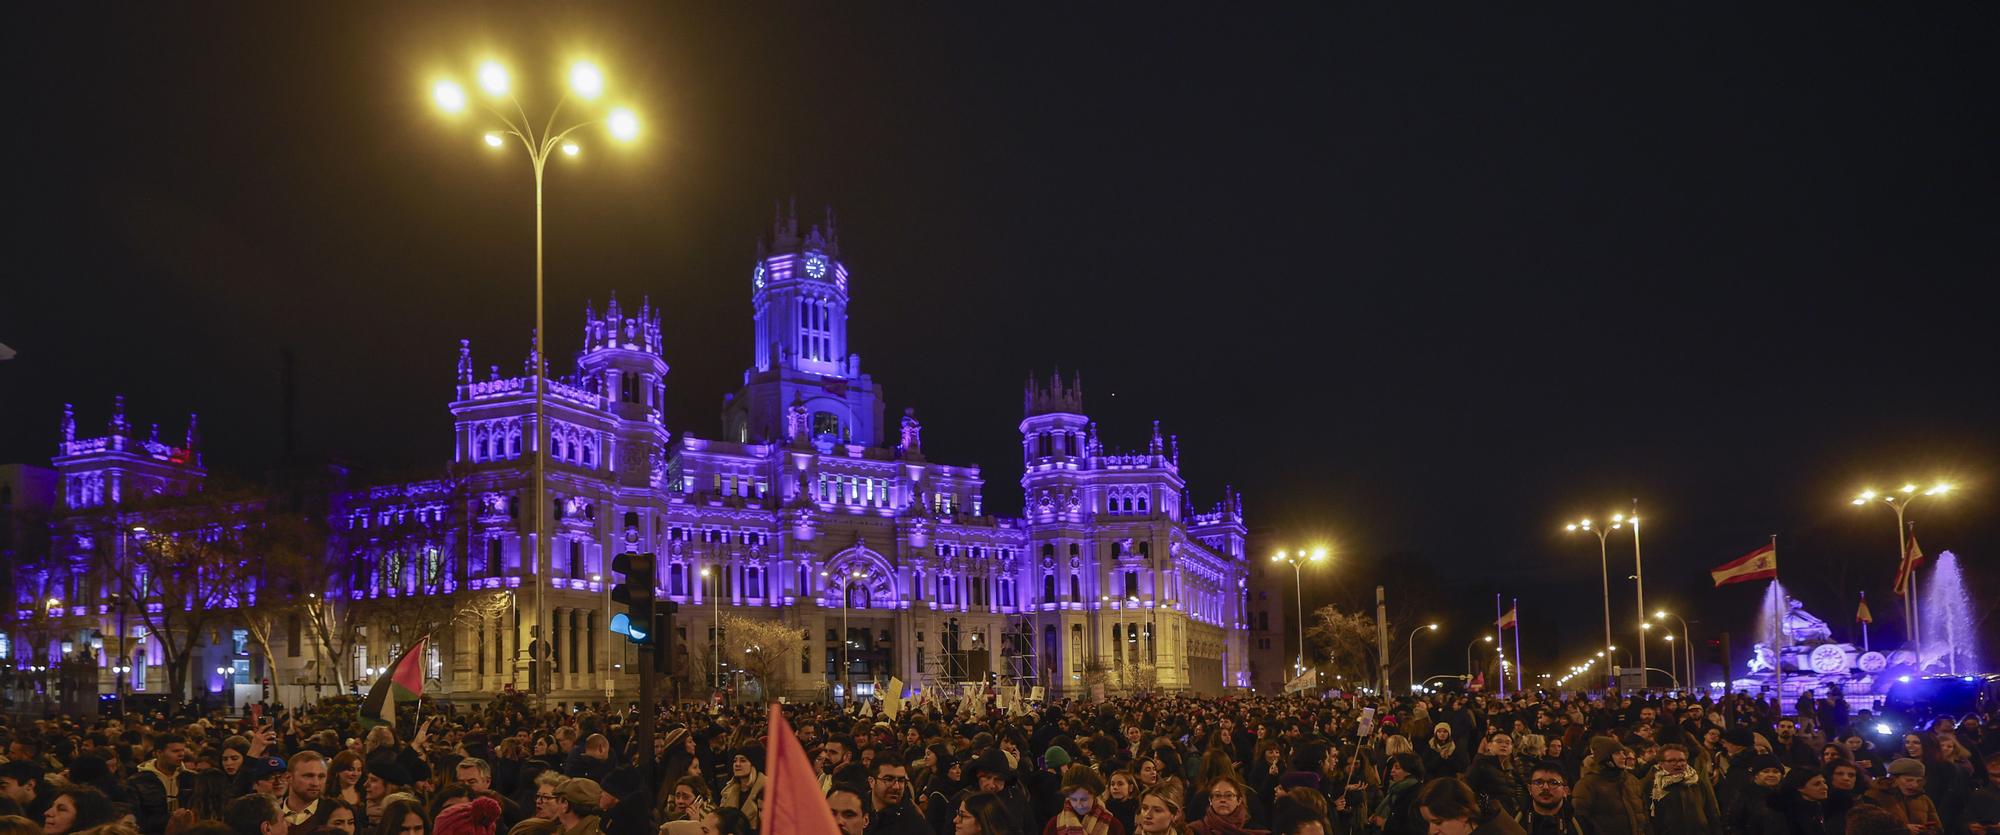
[1901, 794]
[1044, 787]
[1608, 797]
[745, 790]
[479, 817]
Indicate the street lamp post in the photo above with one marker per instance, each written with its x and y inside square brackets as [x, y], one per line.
[715, 626]
[1412, 644]
[1468, 655]
[1899, 501]
[1639, 585]
[1687, 642]
[846, 668]
[1118, 648]
[1297, 559]
[586, 82]
[1604, 567]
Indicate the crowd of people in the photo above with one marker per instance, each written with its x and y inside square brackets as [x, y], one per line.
[1167, 764]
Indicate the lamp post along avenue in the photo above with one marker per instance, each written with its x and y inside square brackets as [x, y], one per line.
[1899, 501]
[1297, 559]
[1604, 567]
[1413, 652]
[586, 82]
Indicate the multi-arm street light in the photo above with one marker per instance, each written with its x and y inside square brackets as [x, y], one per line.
[1899, 501]
[1297, 559]
[1604, 566]
[586, 83]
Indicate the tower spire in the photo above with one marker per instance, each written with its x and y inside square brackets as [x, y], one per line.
[464, 361]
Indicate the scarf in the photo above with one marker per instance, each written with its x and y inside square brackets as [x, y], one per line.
[1444, 750]
[1067, 822]
[1662, 781]
[1214, 823]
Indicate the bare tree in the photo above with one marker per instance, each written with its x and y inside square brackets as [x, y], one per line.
[1348, 641]
[191, 568]
[766, 649]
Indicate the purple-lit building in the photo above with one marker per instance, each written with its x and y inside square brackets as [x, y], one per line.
[810, 479]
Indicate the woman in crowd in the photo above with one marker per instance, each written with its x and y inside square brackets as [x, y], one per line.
[1227, 811]
[745, 790]
[1449, 807]
[688, 800]
[982, 813]
[1844, 785]
[343, 778]
[1121, 799]
[1160, 811]
[402, 816]
[1266, 767]
[1797, 805]
[1395, 813]
[75, 809]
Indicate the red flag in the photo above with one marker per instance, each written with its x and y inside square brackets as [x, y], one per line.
[1507, 620]
[1761, 564]
[1912, 555]
[793, 804]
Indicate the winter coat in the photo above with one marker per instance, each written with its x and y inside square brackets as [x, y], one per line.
[1686, 808]
[1789, 814]
[1917, 811]
[1608, 797]
[747, 797]
[157, 795]
[1745, 813]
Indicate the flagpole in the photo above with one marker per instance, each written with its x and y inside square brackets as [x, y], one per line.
[1518, 687]
[1916, 611]
[1778, 628]
[1500, 645]
[1864, 624]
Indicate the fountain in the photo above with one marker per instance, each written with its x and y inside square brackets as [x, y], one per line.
[1793, 652]
[1949, 643]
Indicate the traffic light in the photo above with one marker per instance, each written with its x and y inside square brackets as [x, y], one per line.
[635, 590]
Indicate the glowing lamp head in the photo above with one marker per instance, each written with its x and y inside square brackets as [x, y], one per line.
[1572, 526]
[1434, 627]
[1868, 495]
[1938, 490]
[493, 78]
[570, 148]
[624, 124]
[1617, 517]
[1909, 488]
[1585, 524]
[1661, 614]
[1318, 555]
[585, 80]
[493, 140]
[449, 96]
[1488, 639]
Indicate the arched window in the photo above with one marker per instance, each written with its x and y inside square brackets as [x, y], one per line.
[1075, 589]
[1048, 588]
[826, 425]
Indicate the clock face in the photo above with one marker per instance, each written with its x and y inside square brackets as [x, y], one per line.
[757, 277]
[816, 266]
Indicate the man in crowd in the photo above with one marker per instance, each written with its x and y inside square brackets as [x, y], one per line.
[1548, 811]
[161, 783]
[890, 808]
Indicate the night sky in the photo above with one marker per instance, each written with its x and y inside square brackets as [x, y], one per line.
[1423, 284]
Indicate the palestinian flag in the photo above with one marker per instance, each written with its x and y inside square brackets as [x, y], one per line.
[402, 682]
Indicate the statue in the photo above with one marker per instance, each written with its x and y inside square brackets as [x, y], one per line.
[1762, 659]
[1801, 627]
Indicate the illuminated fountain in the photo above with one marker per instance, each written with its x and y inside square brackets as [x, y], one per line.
[1794, 652]
[1950, 642]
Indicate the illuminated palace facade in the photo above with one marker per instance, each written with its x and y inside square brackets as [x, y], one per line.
[1109, 575]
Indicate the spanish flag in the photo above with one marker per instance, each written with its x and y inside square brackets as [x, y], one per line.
[1912, 555]
[1761, 564]
[402, 682]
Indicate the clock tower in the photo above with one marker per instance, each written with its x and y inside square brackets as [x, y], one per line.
[804, 385]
